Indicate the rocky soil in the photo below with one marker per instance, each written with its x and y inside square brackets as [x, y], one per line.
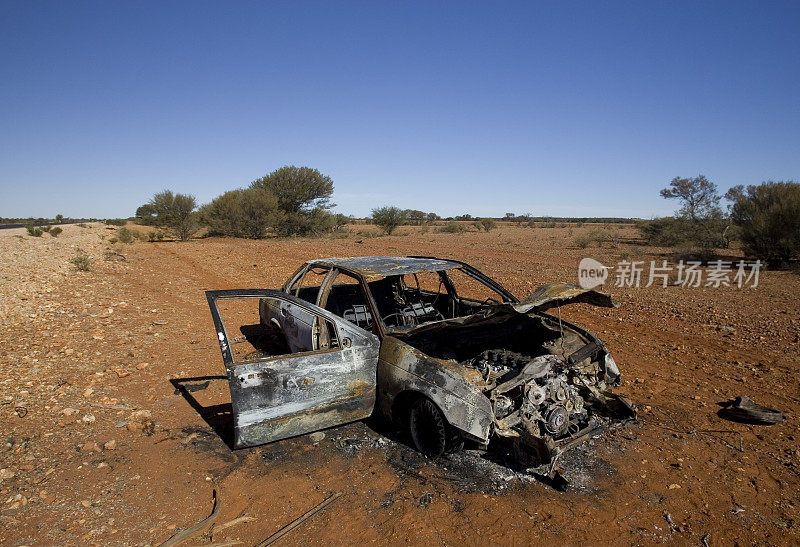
[99, 447]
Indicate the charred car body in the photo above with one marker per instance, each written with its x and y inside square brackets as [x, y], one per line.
[433, 345]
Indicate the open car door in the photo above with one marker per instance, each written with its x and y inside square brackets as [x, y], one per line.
[277, 392]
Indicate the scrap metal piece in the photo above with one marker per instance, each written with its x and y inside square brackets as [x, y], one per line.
[743, 409]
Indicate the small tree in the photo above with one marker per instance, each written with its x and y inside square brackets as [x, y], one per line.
[698, 196]
[175, 212]
[768, 218]
[415, 217]
[699, 221]
[300, 191]
[242, 213]
[59, 218]
[146, 215]
[388, 218]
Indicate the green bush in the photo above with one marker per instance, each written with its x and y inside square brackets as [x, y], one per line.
[548, 223]
[116, 221]
[55, 231]
[452, 227]
[175, 212]
[596, 235]
[242, 213]
[304, 195]
[485, 224]
[684, 232]
[81, 261]
[124, 235]
[35, 231]
[388, 218]
[768, 219]
[155, 236]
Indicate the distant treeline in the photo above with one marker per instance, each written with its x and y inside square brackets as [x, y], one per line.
[41, 220]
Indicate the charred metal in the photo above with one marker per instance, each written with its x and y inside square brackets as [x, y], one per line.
[433, 345]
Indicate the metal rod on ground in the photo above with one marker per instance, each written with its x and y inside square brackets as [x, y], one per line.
[299, 520]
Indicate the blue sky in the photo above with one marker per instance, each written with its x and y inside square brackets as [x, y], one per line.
[552, 108]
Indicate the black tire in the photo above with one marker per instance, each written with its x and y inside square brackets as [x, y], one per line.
[430, 432]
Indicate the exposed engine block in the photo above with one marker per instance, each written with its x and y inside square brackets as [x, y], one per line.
[534, 392]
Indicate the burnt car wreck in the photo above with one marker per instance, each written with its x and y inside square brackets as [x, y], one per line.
[432, 345]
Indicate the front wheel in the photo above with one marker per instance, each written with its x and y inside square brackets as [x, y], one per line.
[430, 432]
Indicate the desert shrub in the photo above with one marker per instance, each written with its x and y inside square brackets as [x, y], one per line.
[246, 213]
[596, 235]
[55, 231]
[663, 232]
[46, 228]
[485, 224]
[83, 225]
[155, 236]
[35, 231]
[767, 217]
[124, 235]
[683, 232]
[388, 218]
[116, 221]
[315, 222]
[340, 220]
[81, 261]
[452, 227]
[548, 223]
[112, 240]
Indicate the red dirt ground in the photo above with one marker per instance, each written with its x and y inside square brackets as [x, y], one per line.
[98, 448]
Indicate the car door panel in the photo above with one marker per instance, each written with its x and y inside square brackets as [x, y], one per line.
[281, 396]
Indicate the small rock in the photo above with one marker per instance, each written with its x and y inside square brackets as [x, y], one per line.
[6, 473]
[673, 486]
[90, 446]
[142, 366]
[110, 445]
[89, 418]
[317, 436]
[140, 421]
[88, 392]
[121, 372]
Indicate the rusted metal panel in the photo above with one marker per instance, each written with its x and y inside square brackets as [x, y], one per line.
[557, 294]
[403, 368]
[387, 265]
[286, 395]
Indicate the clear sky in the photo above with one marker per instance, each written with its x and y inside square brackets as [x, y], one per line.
[553, 108]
